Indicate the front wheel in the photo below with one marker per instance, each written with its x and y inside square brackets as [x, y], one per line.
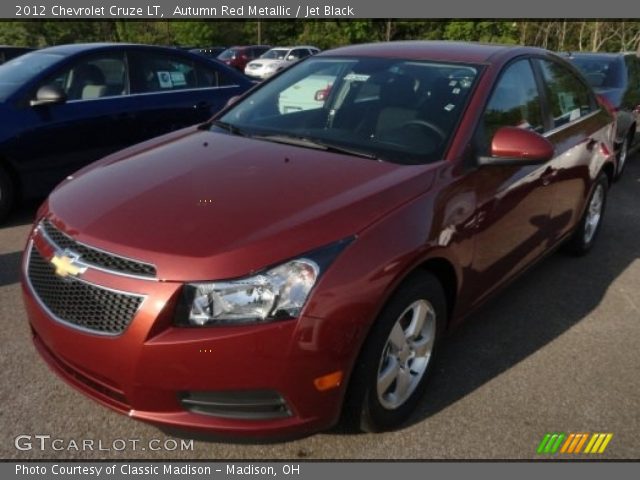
[589, 226]
[393, 367]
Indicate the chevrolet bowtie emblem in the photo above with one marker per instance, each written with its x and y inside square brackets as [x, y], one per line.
[66, 264]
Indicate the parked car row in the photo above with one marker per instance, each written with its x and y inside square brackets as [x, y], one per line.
[277, 59]
[7, 52]
[616, 77]
[316, 237]
[64, 107]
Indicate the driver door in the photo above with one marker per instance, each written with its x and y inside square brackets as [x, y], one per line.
[514, 202]
[95, 120]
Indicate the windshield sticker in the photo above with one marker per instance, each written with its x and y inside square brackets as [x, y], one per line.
[574, 115]
[449, 107]
[178, 79]
[164, 79]
[356, 77]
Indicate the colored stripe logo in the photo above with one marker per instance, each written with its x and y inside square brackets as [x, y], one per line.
[574, 443]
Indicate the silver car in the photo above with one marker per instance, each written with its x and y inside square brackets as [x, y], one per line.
[276, 59]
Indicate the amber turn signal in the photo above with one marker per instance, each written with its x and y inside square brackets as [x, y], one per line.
[327, 382]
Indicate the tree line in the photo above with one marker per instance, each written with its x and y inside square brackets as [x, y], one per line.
[561, 35]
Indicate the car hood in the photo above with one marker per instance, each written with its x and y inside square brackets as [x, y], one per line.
[202, 205]
[267, 61]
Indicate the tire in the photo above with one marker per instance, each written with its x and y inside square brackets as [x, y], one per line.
[587, 231]
[7, 194]
[623, 156]
[391, 372]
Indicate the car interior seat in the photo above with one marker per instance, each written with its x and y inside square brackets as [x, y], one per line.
[86, 75]
[397, 102]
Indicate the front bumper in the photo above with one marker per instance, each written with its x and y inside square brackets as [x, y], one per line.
[145, 371]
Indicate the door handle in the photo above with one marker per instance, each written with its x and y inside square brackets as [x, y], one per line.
[202, 105]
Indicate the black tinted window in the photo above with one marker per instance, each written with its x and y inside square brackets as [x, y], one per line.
[208, 77]
[569, 98]
[298, 53]
[602, 72]
[515, 101]
[633, 66]
[94, 77]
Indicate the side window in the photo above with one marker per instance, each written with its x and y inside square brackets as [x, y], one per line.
[153, 72]
[569, 98]
[93, 77]
[208, 77]
[515, 101]
[633, 65]
[298, 54]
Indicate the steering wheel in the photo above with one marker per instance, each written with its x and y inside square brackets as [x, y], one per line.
[426, 125]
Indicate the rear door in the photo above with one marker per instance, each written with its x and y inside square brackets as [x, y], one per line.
[579, 128]
[173, 91]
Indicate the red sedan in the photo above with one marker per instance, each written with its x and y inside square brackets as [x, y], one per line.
[273, 268]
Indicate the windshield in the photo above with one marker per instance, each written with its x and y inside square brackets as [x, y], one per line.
[228, 54]
[275, 54]
[389, 109]
[601, 72]
[16, 72]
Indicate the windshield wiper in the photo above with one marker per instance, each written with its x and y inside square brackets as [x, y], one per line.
[232, 129]
[309, 143]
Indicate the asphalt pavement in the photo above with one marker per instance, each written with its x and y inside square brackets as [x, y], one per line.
[557, 351]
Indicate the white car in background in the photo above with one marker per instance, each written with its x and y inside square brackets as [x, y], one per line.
[276, 59]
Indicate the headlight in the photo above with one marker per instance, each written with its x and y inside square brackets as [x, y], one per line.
[277, 293]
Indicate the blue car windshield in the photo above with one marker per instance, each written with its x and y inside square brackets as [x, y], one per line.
[16, 72]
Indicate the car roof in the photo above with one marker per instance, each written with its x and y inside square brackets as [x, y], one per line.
[74, 48]
[470, 52]
[291, 47]
[598, 55]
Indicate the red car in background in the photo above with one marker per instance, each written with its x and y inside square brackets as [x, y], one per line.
[271, 269]
[238, 57]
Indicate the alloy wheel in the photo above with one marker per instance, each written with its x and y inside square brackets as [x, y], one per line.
[594, 213]
[406, 354]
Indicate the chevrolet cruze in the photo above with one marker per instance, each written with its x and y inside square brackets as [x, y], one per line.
[272, 270]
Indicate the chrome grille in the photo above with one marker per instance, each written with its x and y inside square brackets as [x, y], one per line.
[80, 304]
[98, 258]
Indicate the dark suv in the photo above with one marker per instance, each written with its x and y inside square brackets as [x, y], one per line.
[238, 57]
[616, 77]
[7, 53]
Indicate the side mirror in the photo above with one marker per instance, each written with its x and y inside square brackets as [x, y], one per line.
[49, 95]
[518, 147]
[291, 58]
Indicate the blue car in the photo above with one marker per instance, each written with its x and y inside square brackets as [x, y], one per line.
[66, 106]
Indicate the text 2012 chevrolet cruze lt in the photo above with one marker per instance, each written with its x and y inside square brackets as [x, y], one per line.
[266, 271]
